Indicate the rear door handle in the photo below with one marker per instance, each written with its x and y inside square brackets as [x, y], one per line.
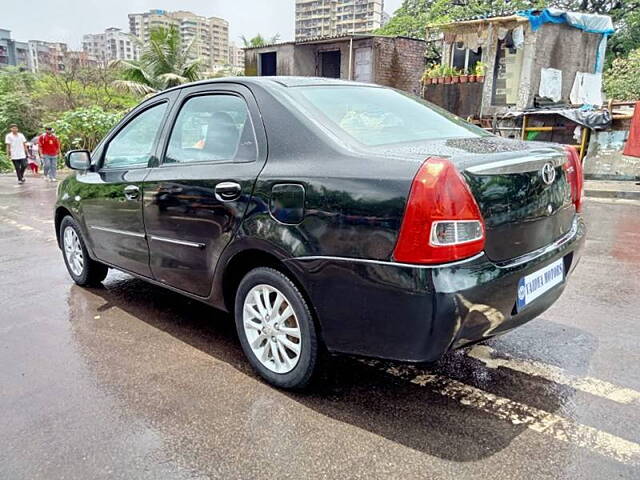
[131, 192]
[228, 191]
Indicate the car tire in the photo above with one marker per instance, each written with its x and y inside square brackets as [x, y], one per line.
[282, 325]
[82, 269]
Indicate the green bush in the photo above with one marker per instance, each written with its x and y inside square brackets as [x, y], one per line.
[5, 163]
[622, 79]
[84, 127]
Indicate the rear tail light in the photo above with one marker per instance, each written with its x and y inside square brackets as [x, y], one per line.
[442, 222]
[573, 169]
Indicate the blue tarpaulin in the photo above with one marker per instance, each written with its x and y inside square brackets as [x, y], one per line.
[589, 22]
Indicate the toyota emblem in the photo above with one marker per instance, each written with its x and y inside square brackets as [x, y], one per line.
[548, 173]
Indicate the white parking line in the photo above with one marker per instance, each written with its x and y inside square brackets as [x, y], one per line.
[560, 428]
[589, 385]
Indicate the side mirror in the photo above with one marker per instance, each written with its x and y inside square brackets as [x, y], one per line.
[78, 160]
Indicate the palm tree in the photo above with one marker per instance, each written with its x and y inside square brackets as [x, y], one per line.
[164, 63]
[259, 40]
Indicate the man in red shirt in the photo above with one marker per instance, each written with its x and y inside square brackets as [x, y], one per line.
[49, 151]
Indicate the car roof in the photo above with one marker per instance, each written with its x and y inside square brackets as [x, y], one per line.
[267, 82]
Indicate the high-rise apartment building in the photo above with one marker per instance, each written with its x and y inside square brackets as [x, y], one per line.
[47, 56]
[13, 52]
[236, 57]
[326, 18]
[113, 44]
[210, 35]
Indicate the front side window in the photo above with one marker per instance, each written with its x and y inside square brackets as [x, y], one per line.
[381, 116]
[212, 128]
[134, 144]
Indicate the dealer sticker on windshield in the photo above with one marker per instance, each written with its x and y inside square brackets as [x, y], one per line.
[537, 283]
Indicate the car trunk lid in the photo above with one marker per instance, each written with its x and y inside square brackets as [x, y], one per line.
[524, 197]
[521, 211]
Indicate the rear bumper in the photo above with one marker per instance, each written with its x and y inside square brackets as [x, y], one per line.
[414, 313]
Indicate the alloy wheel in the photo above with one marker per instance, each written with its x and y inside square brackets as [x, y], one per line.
[73, 251]
[272, 328]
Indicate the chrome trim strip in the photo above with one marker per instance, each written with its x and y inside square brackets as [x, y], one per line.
[387, 263]
[177, 242]
[115, 230]
[518, 165]
[527, 257]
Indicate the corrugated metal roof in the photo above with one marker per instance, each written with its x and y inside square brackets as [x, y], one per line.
[332, 38]
[487, 18]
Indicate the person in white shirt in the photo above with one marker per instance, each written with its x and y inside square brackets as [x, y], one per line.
[17, 151]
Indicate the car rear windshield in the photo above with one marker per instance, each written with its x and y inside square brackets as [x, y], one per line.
[381, 116]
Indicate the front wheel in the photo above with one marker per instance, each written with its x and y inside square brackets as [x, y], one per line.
[276, 329]
[80, 266]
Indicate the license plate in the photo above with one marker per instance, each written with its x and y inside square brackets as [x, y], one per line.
[537, 283]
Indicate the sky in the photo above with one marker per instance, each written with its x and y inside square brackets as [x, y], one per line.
[67, 20]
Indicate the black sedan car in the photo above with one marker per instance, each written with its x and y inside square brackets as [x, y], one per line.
[327, 216]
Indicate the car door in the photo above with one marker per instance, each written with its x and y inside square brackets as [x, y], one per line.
[112, 203]
[195, 199]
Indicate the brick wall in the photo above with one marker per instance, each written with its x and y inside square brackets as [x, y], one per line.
[399, 63]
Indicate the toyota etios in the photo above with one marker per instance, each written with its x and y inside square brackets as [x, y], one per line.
[326, 216]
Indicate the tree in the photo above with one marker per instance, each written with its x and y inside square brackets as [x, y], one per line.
[164, 63]
[21, 110]
[621, 80]
[16, 102]
[259, 40]
[82, 86]
[413, 16]
[84, 127]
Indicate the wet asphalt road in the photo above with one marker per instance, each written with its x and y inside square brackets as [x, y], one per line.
[132, 381]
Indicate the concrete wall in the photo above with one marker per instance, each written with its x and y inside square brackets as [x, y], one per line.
[396, 62]
[284, 58]
[567, 49]
[307, 56]
[399, 63]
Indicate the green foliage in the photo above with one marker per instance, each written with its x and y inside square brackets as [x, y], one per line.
[5, 163]
[164, 63]
[259, 40]
[16, 104]
[413, 17]
[84, 127]
[622, 79]
[30, 100]
[627, 36]
[82, 87]
[20, 109]
[13, 80]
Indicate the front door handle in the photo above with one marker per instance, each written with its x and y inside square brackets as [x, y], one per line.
[228, 191]
[131, 192]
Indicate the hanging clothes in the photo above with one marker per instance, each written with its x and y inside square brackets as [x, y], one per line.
[587, 89]
[551, 84]
[518, 36]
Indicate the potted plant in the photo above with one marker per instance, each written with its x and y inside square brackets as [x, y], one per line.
[448, 73]
[464, 76]
[455, 75]
[440, 74]
[431, 74]
[480, 70]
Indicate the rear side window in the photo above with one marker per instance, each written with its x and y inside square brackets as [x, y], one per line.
[135, 143]
[380, 116]
[212, 128]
